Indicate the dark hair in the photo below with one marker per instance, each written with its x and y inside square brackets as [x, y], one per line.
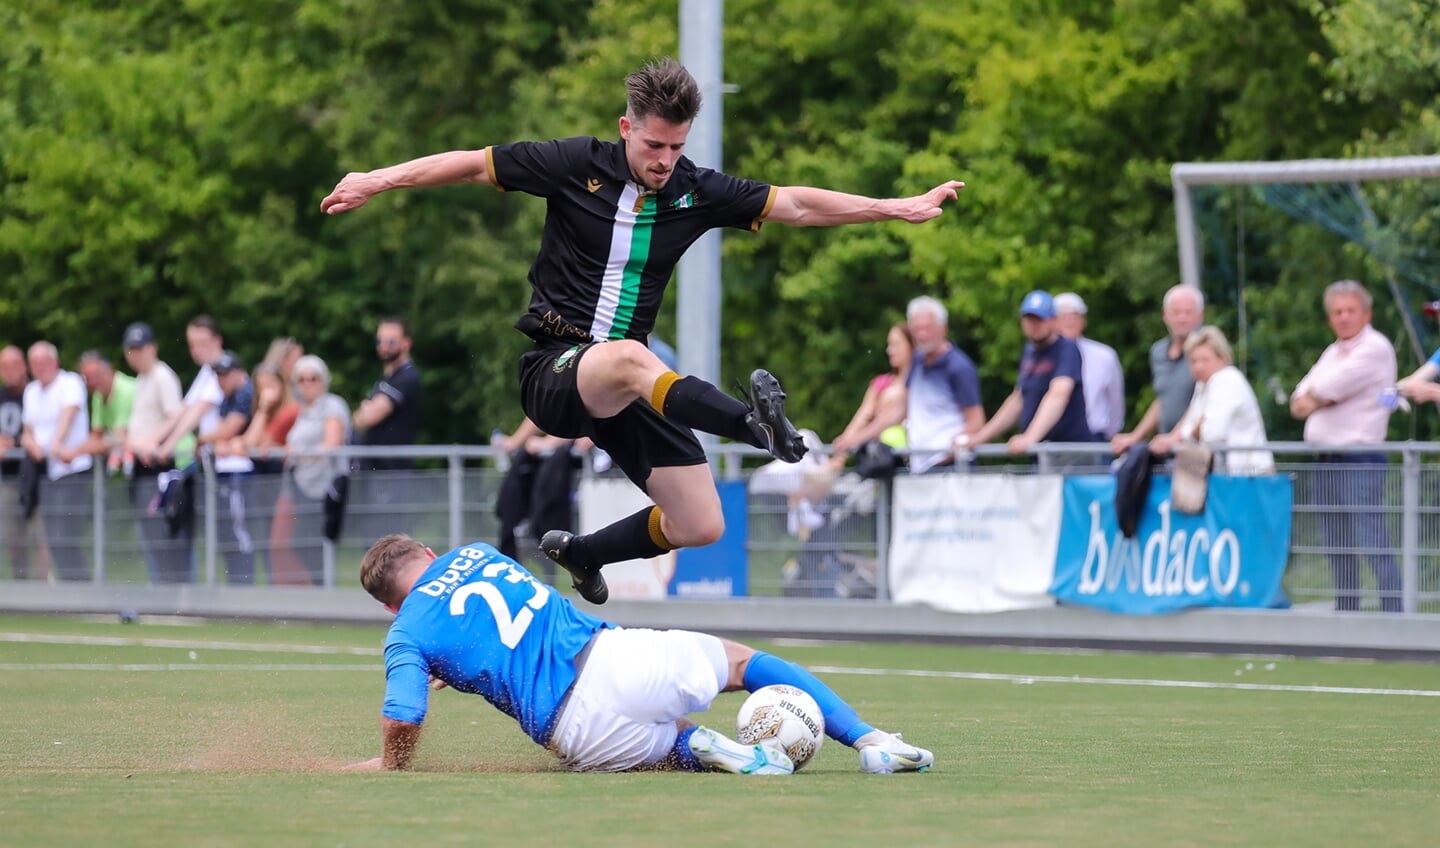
[397, 321]
[205, 322]
[662, 88]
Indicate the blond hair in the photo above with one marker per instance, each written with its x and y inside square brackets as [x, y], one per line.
[1211, 337]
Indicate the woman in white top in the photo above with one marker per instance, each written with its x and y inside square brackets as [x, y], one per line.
[1223, 409]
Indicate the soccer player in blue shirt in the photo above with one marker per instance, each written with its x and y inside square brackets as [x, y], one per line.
[598, 696]
[619, 215]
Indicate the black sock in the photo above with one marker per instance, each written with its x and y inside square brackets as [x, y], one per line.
[632, 537]
[700, 406]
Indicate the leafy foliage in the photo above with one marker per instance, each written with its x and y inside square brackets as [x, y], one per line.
[162, 159]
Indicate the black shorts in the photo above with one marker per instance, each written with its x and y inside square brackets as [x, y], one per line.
[639, 439]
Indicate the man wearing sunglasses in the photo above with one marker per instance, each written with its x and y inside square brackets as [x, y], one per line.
[391, 414]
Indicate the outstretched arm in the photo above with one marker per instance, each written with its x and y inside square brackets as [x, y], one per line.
[803, 206]
[440, 169]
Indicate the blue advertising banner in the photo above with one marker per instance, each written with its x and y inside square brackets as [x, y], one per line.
[718, 570]
[1233, 555]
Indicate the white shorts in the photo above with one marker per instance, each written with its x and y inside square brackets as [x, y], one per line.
[622, 709]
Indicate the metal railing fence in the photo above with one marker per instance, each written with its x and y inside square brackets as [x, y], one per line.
[1365, 519]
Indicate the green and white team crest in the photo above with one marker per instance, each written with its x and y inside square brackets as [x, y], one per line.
[563, 360]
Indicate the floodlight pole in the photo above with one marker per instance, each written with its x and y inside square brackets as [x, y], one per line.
[698, 309]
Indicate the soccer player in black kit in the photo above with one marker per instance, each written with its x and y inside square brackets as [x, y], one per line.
[619, 216]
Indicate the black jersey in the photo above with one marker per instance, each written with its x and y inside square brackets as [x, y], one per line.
[610, 246]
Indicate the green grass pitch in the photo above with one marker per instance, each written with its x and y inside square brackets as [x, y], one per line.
[231, 734]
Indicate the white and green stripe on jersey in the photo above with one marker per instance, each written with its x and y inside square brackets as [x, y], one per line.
[629, 252]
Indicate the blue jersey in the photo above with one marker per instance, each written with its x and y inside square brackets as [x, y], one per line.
[1039, 366]
[480, 622]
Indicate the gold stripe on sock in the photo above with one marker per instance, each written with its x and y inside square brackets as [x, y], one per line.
[662, 389]
[656, 534]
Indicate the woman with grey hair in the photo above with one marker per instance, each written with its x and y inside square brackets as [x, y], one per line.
[323, 424]
[1223, 410]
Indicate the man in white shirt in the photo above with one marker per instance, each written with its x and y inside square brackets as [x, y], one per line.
[1340, 402]
[57, 426]
[1102, 379]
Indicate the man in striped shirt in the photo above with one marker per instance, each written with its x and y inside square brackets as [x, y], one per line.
[619, 216]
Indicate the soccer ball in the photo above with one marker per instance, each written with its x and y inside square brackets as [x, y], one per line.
[786, 714]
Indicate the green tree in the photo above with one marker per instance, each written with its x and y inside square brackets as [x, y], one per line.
[158, 160]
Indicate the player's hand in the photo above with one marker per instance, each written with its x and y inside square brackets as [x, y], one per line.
[350, 193]
[436, 684]
[925, 206]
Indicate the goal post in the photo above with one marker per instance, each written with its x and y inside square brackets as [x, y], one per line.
[1183, 175]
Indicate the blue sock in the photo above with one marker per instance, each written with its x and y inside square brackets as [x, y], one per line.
[682, 752]
[841, 722]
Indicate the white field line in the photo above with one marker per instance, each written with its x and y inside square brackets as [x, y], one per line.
[184, 644]
[108, 641]
[187, 667]
[1120, 681]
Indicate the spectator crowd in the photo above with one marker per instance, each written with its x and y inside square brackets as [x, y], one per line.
[271, 431]
[1069, 389]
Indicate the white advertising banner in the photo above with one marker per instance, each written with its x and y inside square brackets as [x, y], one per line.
[973, 542]
[607, 500]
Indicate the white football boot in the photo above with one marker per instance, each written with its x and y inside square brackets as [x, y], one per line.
[888, 753]
[717, 751]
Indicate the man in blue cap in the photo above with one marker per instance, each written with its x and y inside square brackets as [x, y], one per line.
[1049, 399]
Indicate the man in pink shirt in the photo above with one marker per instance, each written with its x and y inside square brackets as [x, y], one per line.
[1340, 402]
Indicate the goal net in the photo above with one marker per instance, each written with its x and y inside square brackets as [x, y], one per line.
[1263, 239]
